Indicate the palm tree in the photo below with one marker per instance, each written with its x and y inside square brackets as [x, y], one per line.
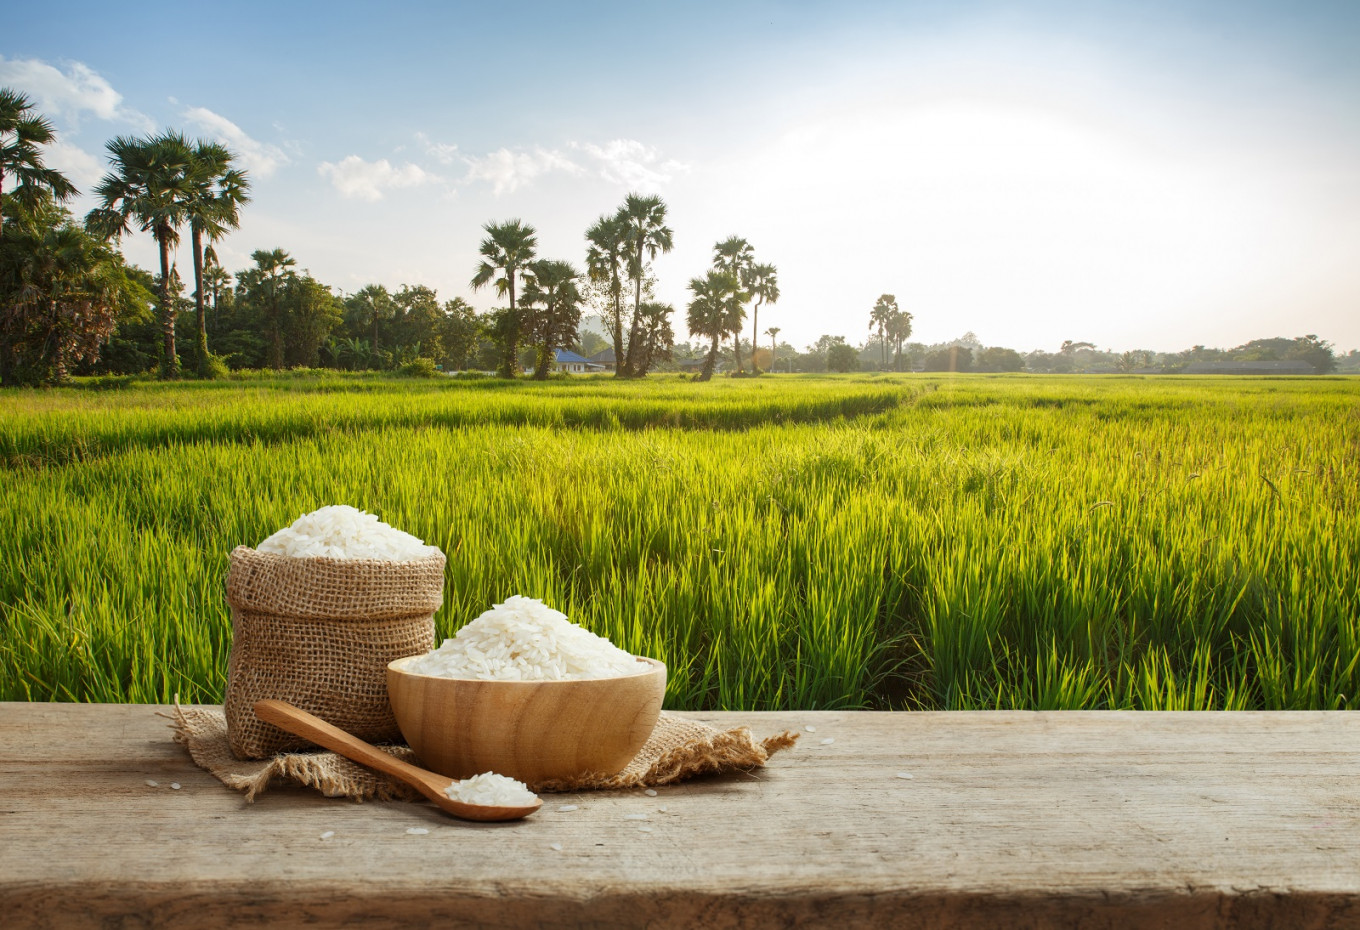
[556, 313]
[714, 312]
[762, 283]
[607, 243]
[65, 290]
[881, 317]
[644, 220]
[899, 328]
[509, 247]
[215, 281]
[655, 337]
[734, 255]
[149, 186]
[21, 133]
[216, 193]
[772, 332]
[368, 306]
[263, 285]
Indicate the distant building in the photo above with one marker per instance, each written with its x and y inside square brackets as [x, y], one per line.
[1291, 367]
[605, 359]
[696, 364]
[576, 364]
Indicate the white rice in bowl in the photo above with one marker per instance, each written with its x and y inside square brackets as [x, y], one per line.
[343, 532]
[525, 640]
[491, 790]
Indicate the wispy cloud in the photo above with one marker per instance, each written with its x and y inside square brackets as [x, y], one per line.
[71, 93]
[370, 180]
[83, 169]
[506, 171]
[631, 163]
[261, 158]
[445, 153]
[620, 161]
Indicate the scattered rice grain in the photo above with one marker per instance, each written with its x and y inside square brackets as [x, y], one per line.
[556, 846]
[905, 775]
[645, 830]
[810, 729]
[416, 831]
[828, 741]
[568, 807]
[650, 792]
[174, 785]
[328, 834]
[634, 816]
[152, 784]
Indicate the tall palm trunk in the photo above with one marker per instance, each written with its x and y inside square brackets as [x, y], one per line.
[170, 362]
[203, 369]
[633, 328]
[618, 326]
[736, 347]
[54, 343]
[707, 372]
[755, 335]
[510, 364]
[544, 363]
[883, 346]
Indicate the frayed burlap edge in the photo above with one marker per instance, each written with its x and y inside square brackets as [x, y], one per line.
[679, 749]
[203, 731]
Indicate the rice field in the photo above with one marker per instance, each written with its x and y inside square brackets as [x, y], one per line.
[895, 542]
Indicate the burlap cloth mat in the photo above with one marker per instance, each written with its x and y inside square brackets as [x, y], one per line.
[678, 749]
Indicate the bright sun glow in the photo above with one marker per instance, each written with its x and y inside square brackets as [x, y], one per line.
[1003, 217]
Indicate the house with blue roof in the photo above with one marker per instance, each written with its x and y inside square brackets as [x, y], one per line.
[569, 361]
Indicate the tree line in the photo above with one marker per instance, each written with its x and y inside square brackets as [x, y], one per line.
[71, 303]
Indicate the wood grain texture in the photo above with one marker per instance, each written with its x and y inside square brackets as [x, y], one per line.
[534, 731]
[1010, 819]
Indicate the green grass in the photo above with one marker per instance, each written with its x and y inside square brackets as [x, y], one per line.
[890, 541]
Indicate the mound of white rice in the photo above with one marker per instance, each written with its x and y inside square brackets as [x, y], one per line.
[342, 532]
[491, 790]
[525, 640]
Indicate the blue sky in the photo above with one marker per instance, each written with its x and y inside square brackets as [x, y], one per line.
[1135, 174]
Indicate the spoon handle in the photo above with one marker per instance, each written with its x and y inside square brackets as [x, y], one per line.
[300, 723]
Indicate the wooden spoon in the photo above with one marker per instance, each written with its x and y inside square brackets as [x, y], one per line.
[300, 723]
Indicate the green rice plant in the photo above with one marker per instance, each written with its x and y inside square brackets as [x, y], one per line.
[838, 542]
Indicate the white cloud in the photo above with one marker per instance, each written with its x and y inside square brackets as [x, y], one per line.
[443, 151]
[631, 163]
[83, 169]
[69, 94]
[261, 158]
[367, 180]
[506, 171]
[619, 161]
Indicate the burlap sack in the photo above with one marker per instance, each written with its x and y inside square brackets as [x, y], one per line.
[318, 633]
[679, 749]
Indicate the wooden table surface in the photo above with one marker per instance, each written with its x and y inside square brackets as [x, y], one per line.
[1069, 819]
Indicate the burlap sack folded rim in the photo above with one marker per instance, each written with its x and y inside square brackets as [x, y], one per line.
[320, 588]
[679, 749]
[318, 633]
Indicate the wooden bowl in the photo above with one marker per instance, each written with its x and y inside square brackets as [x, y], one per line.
[535, 731]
